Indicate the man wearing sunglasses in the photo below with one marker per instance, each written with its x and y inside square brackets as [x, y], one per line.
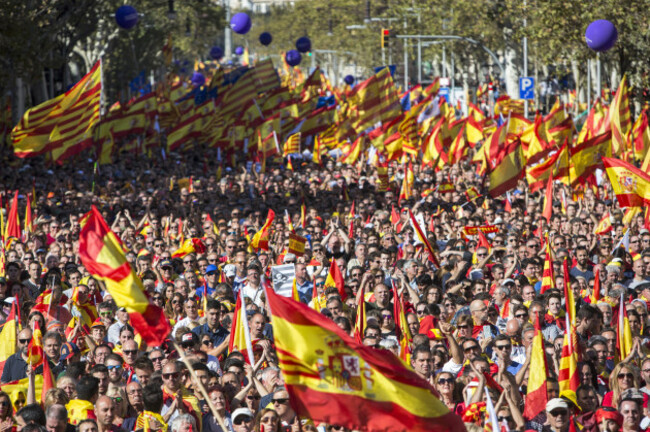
[16, 365]
[176, 399]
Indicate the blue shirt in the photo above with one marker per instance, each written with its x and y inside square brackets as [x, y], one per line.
[201, 290]
[305, 291]
[217, 336]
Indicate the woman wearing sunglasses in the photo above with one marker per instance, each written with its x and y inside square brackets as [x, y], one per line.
[267, 421]
[450, 393]
[623, 377]
[6, 419]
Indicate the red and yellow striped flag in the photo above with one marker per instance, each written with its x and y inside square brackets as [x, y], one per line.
[569, 378]
[620, 119]
[102, 255]
[548, 278]
[326, 373]
[536, 396]
[568, 374]
[292, 144]
[569, 299]
[630, 184]
[64, 124]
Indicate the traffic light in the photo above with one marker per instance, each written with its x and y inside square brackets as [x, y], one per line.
[385, 37]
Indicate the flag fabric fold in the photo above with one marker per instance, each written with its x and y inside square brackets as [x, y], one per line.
[102, 255]
[331, 378]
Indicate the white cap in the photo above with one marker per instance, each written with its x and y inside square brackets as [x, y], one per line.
[241, 412]
[556, 403]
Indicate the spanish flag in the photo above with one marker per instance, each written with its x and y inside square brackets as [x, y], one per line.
[423, 239]
[191, 245]
[8, 333]
[297, 244]
[604, 225]
[333, 379]
[588, 156]
[12, 229]
[102, 255]
[536, 397]
[261, 238]
[548, 200]
[630, 184]
[240, 337]
[508, 168]
[360, 321]
[35, 347]
[624, 339]
[335, 279]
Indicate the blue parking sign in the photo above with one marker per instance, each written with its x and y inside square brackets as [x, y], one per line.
[526, 88]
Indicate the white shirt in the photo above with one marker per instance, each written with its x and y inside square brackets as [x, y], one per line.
[255, 294]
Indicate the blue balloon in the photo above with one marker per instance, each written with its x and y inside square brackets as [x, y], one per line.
[239, 50]
[216, 52]
[349, 79]
[293, 58]
[240, 23]
[601, 35]
[198, 79]
[126, 17]
[266, 38]
[303, 44]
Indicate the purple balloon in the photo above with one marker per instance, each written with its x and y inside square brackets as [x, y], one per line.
[293, 58]
[198, 79]
[240, 23]
[349, 79]
[303, 44]
[601, 35]
[266, 38]
[239, 50]
[216, 52]
[126, 17]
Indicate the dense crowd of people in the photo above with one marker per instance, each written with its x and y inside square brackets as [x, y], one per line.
[474, 311]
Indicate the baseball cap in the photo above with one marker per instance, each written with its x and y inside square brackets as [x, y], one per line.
[556, 403]
[241, 412]
[229, 270]
[68, 350]
[211, 268]
[97, 323]
[165, 263]
[189, 337]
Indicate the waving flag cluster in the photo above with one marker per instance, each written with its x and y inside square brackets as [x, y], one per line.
[64, 125]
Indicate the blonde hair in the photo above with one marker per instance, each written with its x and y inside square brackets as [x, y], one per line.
[55, 396]
[613, 380]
